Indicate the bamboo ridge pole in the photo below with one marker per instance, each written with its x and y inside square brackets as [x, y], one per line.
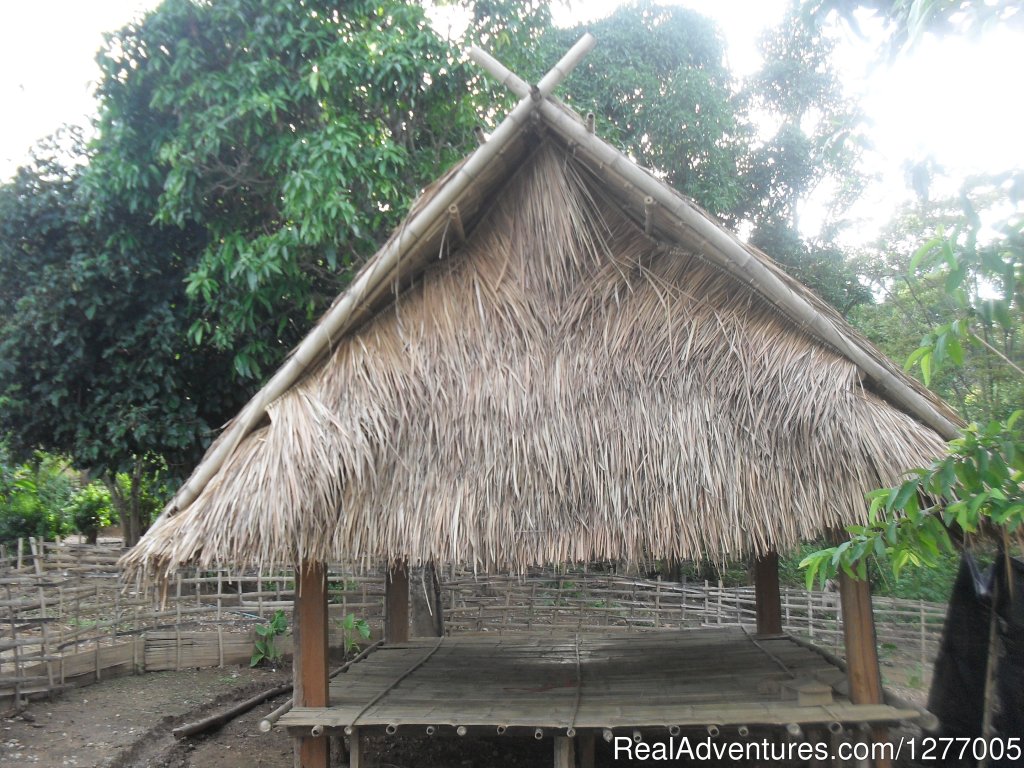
[380, 268]
[723, 248]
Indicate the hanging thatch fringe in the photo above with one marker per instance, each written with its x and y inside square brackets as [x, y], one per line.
[564, 388]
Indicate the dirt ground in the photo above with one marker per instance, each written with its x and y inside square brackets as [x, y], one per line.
[126, 722]
[123, 721]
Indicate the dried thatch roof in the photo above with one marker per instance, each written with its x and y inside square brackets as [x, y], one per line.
[561, 386]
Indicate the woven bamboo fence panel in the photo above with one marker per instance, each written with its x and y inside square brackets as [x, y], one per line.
[66, 617]
[582, 600]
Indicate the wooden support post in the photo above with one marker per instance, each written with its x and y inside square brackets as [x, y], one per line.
[863, 674]
[768, 600]
[310, 662]
[587, 742]
[565, 753]
[355, 750]
[396, 603]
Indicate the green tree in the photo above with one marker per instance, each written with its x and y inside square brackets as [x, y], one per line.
[89, 510]
[661, 91]
[976, 488]
[674, 106]
[33, 496]
[286, 137]
[249, 155]
[913, 303]
[94, 358]
[815, 147]
[908, 20]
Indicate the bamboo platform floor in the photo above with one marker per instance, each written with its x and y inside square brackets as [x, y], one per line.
[662, 679]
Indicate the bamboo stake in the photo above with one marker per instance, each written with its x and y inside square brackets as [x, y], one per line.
[18, 671]
[455, 218]
[45, 629]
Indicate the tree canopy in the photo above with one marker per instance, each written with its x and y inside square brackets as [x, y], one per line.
[290, 136]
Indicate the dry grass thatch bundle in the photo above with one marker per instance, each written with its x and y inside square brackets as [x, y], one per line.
[560, 388]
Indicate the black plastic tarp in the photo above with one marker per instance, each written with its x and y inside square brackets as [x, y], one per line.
[957, 695]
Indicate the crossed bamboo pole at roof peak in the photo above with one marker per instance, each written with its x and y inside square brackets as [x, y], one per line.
[336, 321]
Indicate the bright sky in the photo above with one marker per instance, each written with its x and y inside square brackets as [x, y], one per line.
[952, 99]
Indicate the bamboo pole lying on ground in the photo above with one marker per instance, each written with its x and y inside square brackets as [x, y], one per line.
[268, 722]
[190, 729]
[200, 726]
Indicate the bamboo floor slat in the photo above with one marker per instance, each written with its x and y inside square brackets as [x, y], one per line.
[690, 678]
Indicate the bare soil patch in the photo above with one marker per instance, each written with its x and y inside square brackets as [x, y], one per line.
[123, 721]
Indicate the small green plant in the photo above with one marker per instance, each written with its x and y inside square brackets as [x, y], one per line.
[916, 678]
[266, 645]
[89, 510]
[352, 630]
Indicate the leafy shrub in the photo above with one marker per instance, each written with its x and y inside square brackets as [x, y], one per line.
[352, 629]
[21, 513]
[89, 510]
[266, 645]
[33, 496]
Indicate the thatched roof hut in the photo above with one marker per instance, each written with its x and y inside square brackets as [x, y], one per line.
[555, 358]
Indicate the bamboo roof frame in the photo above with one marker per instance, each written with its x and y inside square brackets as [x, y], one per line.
[659, 209]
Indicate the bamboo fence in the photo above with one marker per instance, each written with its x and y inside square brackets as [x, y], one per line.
[67, 617]
[573, 601]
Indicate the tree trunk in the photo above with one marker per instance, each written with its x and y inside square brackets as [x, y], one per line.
[128, 506]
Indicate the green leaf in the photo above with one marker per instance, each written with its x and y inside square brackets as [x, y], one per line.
[922, 253]
[1001, 312]
[899, 501]
[926, 367]
[955, 350]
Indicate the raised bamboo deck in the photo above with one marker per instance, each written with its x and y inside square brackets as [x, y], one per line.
[655, 680]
